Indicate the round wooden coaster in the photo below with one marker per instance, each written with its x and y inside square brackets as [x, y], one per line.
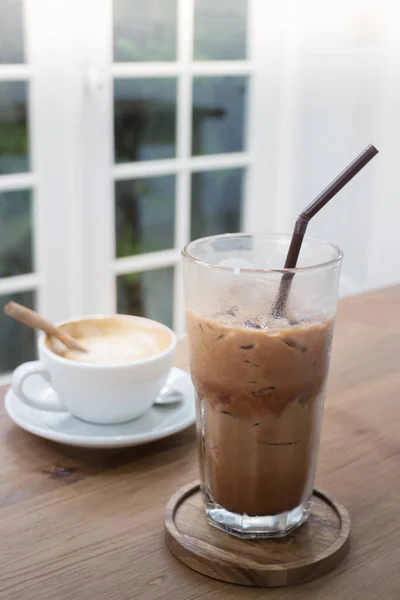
[307, 553]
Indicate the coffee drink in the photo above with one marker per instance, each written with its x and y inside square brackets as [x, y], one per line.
[260, 386]
[112, 340]
[127, 365]
[260, 375]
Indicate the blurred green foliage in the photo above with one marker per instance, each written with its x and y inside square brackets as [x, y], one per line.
[13, 139]
[145, 30]
[216, 202]
[148, 294]
[11, 32]
[220, 30]
[144, 119]
[13, 127]
[16, 251]
[145, 215]
[17, 342]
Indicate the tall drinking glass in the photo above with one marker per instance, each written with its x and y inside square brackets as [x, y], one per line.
[260, 380]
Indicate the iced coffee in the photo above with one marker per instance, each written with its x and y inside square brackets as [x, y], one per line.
[260, 387]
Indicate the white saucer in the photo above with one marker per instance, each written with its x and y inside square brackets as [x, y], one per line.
[156, 423]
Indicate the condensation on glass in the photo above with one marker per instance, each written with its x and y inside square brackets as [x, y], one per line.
[147, 294]
[144, 119]
[217, 202]
[220, 30]
[144, 30]
[145, 215]
[218, 114]
[259, 379]
[14, 156]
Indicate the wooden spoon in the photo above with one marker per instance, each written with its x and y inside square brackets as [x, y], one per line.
[32, 319]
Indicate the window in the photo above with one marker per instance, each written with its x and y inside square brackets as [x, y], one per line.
[126, 130]
[184, 122]
[175, 83]
[18, 258]
[130, 127]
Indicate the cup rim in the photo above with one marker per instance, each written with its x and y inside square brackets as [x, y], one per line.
[43, 349]
[338, 254]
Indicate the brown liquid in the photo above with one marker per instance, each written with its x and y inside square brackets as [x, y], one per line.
[260, 394]
[112, 340]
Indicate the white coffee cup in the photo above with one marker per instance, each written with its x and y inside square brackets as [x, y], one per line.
[98, 393]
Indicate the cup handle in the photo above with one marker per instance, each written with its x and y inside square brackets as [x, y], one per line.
[49, 400]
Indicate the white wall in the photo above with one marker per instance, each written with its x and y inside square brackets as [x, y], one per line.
[338, 90]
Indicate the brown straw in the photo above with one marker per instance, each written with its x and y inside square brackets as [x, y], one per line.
[279, 306]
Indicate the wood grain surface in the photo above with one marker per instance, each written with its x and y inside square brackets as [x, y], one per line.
[305, 554]
[85, 524]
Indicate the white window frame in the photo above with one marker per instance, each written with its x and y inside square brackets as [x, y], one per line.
[68, 46]
[69, 68]
[53, 114]
[54, 140]
[101, 172]
[18, 182]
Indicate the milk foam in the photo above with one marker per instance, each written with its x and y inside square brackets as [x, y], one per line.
[116, 348]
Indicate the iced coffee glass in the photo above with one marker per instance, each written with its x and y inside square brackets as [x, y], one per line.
[260, 379]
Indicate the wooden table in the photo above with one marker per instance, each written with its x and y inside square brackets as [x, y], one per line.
[83, 524]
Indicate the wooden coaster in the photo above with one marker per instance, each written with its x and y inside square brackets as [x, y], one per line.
[307, 553]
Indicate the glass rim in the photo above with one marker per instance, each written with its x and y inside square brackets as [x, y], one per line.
[336, 259]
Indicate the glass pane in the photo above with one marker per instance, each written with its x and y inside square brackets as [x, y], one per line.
[144, 119]
[148, 294]
[220, 30]
[145, 215]
[17, 341]
[13, 127]
[11, 32]
[15, 233]
[216, 202]
[218, 114]
[144, 30]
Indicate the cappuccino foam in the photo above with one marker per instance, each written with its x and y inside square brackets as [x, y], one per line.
[112, 340]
